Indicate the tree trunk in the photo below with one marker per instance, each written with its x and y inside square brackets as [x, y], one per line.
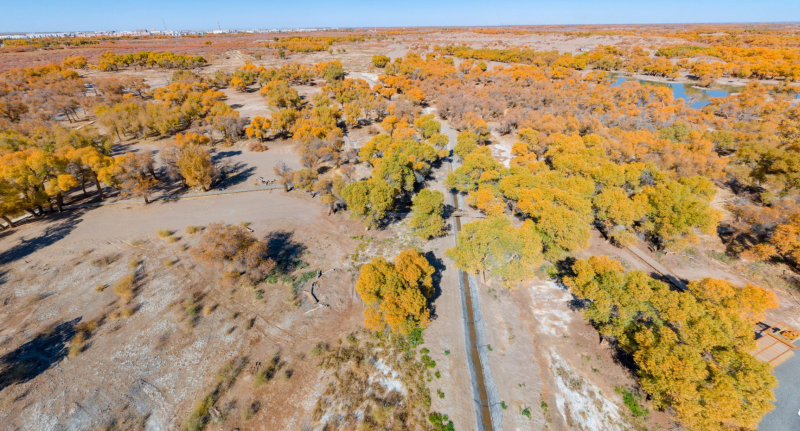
[99, 189]
[330, 208]
[83, 185]
[60, 201]
[152, 173]
[146, 201]
[285, 187]
[38, 208]
[8, 220]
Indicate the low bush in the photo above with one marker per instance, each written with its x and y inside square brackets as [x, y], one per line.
[191, 230]
[124, 287]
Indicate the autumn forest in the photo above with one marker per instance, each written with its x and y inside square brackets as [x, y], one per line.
[532, 161]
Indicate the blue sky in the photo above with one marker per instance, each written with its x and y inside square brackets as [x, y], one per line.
[61, 15]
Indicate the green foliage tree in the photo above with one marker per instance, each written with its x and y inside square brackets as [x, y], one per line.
[479, 166]
[509, 254]
[677, 209]
[427, 214]
[369, 200]
[466, 143]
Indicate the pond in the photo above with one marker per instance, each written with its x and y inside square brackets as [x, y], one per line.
[694, 96]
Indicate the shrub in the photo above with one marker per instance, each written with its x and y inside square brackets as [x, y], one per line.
[526, 412]
[191, 230]
[126, 312]
[171, 239]
[83, 332]
[319, 349]
[190, 306]
[199, 417]
[257, 147]
[76, 344]
[632, 402]
[169, 262]
[124, 287]
[441, 422]
[100, 287]
[105, 260]
[250, 411]
[207, 309]
[237, 249]
[163, 233]
[269, 371]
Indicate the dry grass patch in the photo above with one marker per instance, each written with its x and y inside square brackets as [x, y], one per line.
[83, 331]
[191, 230]
[124, 287]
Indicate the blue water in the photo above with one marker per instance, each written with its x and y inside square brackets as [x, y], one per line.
[694, 97]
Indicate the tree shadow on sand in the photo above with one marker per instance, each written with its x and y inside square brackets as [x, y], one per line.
[35, 357]
[58, 226]
[286, 252]
[235, 174]
[439, 267]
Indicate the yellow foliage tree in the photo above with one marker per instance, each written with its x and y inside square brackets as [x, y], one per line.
[396, 294]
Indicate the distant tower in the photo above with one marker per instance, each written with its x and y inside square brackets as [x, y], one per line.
[218, 27]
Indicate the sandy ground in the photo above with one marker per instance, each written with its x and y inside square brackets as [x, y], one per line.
[154, 364]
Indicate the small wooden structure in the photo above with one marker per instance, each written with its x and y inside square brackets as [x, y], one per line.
[776, 343]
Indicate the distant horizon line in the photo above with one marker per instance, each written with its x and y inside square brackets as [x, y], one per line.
[420, 26]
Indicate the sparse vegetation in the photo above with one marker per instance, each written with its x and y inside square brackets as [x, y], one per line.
[190, 306]
[200, 416]
[631, 401]
[125, 287]
[271, 368]
[191, 230]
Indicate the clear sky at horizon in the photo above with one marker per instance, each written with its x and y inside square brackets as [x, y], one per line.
[90, 15]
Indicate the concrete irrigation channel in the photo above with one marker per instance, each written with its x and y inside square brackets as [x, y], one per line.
[488, 411]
